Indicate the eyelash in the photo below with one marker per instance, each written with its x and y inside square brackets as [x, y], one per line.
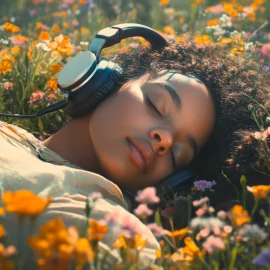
[150, 103]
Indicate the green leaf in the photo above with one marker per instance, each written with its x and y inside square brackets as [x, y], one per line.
[157, 218]
[40, 125]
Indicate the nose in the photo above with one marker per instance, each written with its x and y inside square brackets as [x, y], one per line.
[162, 141]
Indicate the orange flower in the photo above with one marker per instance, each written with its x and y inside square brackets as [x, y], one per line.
[15, 50]
[55, 68]
[169, 30]
[82, 2]
[52, 84]
[24, 202]
[138, 242]
[238, 216]
[44, 36]
[83, 252]
[6, 252]
[212, 22]
[5, 67]
[178, 234]
[2, 231]
[188, 253]
[54, 245]
[56, 28]
[2, 211]
[85, 31]
[96, 230]
[164, 2]
[9, 27]
[258, 2]
[259, 192]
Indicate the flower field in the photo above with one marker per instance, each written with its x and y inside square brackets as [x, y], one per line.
[37, 38]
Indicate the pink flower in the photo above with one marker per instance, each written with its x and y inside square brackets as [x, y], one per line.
[75, 23]
[156, 230]
[33, 12]
[17, 40]
[213, 243]
[8, 85]
[197, 203]
[36, 2]
[227, 229]
[265, 51]
[35, 97]
[69, 2]
[202, 185]
[142, 210]
[222, 214]
[204, 232]
[148, 195]
[215, 9]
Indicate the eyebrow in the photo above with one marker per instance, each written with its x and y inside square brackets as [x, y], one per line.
[177, 101]
[172, 92]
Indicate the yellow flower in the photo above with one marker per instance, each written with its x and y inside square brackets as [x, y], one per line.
[259, 192]
[224, 41]
[178, 234]
[138, 242]
[96, 230]
[238, 216]
[164, 2]
[205, 39]
[9, 27]
[44, 36]
[24, 202]
[158, 254]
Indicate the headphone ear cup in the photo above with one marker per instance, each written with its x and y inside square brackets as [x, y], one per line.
[93, 93]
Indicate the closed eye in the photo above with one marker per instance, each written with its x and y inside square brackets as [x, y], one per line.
[150, 103]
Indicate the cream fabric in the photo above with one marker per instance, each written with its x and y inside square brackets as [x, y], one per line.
[26, 164]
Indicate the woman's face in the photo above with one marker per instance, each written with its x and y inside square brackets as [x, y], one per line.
[142, 130]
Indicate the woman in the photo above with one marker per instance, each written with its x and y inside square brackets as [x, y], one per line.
[181, 105]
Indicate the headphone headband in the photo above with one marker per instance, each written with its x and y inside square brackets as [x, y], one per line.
[112, 35]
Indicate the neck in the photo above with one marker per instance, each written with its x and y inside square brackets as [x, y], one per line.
[73, 143]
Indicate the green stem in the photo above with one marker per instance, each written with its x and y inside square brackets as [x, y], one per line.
[254, 208]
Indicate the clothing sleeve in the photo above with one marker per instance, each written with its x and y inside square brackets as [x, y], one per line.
[71, 209]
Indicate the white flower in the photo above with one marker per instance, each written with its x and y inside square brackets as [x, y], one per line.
[215, 30]
[225, 21]
[84, 43]
[2, 27]
[3, 41]
[43, 46]
[249, 47]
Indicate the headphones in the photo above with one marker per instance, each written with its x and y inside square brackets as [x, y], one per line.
[87, 79]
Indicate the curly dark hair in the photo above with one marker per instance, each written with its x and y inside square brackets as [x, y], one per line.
[237, 85]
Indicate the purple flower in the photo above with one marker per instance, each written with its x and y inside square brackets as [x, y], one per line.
[213, 243]
[148, 195]
[263, 258]
[143, 211]
[202, 185]
[266, 68]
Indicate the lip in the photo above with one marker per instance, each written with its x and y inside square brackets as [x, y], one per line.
[141, 153]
